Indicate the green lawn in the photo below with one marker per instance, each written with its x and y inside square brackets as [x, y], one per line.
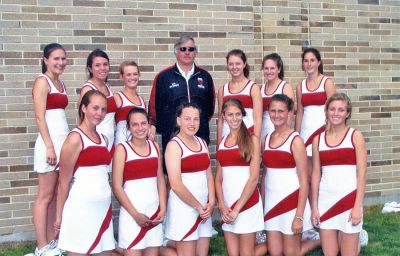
[383, 231]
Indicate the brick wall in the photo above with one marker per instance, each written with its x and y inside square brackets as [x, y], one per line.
[359, 41]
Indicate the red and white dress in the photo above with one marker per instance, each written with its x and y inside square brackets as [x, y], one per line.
[122, 133]
[267, 125]
[313, 122]
[140, 178]
[235, 174]
[244, 96]
[338, 185]
[107, 126]
[183, 222]
[86, 225]
[282, 187]
[57, 125]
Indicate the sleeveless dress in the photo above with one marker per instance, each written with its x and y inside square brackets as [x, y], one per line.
[338, 185]
[235, 174]
[86, 225]
[244, 96]
[282, 187]
[140, 178]
[122, 133]
[183, 222]
[107, 126]
[313, 122]
[57, 125]
[267, 125]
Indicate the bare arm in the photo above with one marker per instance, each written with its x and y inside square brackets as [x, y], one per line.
[315, 180]
[69, 155]
[300, 157]
[257, 109]
[173, 164]
[288, 91]
[39, 92]
[220, 118]
[330, 88]
[361, 157]
[299, 113]
[252, 182]
[119, 192]
[162, 189]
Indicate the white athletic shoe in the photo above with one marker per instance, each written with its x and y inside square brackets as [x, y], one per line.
[363, 238]
[311, 234]
[49, 250]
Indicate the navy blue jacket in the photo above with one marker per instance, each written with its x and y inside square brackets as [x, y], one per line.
[171, 90]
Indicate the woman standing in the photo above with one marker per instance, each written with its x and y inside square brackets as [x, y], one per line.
[311, 95]
[236, 181]
[137, 169]
[49, 100]
[338, 180]
[286, 208]
[191, 198]
[243, 89]
[98, 66]
[127, 99]
[84, 194]
[272, 68]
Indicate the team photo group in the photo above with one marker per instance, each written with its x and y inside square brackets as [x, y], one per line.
[289, 172]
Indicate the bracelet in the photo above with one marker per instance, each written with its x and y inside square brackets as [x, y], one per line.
[299, 218]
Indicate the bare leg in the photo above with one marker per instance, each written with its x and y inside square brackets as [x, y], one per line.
[47, 185]
[349, 244]
[275, 243]
[329, 242]
[291, 245]
[247, 242]
[186, 248]
[232, 243]
[202, 246]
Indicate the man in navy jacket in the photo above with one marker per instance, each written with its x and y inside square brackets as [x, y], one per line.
[181, 83]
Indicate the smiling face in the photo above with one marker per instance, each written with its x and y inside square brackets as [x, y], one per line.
[56, 62]
[278, 112]
[130, 76]
[138, 126]
[96, 110]
[100, 68]
[186, 58]
[235, 66]
[337, 112]
[270, 70]
[233, 116]
[311, 63]
[189, 121]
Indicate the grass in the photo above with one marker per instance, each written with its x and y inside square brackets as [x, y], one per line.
[383, 231]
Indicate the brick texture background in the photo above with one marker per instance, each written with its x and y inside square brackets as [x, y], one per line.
[359, 41]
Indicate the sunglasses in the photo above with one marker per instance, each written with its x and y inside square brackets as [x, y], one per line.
[190, 49]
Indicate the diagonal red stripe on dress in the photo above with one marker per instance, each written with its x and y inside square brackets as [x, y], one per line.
[344, 204]
[104, 226]
[144, 230]
[287, 204]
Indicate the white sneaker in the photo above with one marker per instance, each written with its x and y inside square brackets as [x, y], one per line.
[311, 234]
[392, 204]
[30, 254]
[48, 251]
[363, 238]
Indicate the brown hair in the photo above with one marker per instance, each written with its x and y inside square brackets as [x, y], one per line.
[239, 53]
[343, 97]
[86, 101]
[126, 64]
[244, 140]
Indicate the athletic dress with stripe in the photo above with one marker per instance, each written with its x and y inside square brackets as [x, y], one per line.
[86, 225]
[282, 187]
[122, 133]
[313, 122]
[140, 178]
[183, 222]
[244, 96]
[338, 185]
[235, 174]
[56, 122]
[267, 125]
[107, 126]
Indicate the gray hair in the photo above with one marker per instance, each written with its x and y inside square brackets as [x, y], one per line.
[181, 40]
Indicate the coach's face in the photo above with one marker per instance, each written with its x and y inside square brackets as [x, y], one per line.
[186, 53]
